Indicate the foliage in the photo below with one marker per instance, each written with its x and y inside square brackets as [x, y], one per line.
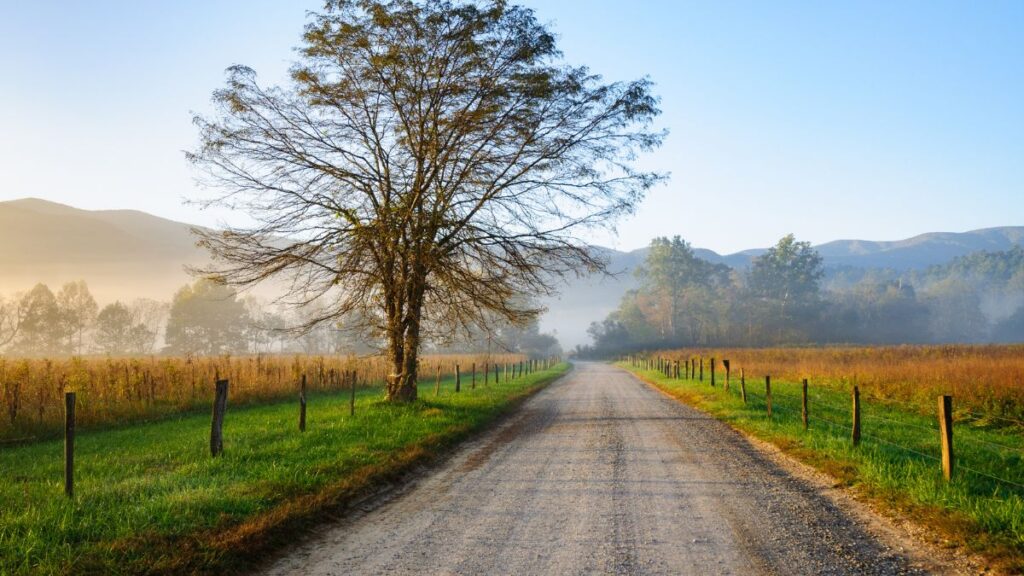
[675, 282]
[78, 311]
[206, 318]
[788, 271]
[430, 163]
[781, 299]
[42, 328]
[118, 332]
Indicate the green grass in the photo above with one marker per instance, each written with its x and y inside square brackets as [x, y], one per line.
[150, 499]
[897, 461]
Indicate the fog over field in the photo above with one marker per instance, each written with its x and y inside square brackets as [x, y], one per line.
[127, 254]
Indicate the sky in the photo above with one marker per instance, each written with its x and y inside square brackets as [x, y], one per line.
[830, 120]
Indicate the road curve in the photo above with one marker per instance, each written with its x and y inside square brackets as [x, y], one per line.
[600, 474]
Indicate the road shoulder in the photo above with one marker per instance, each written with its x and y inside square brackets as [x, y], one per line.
[922, 546]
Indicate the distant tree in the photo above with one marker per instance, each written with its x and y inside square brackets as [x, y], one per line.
[955, 312]
[78, 310]
[12, 314]
[148, 319]
[876, 313]
[610, 337]
[1010, 329]
[674, 278]
[431, 161]
[527, 340]
[206, 318]
[788, 277]
[114, 325]
[42, 329]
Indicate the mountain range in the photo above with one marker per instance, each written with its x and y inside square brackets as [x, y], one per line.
[124, 254]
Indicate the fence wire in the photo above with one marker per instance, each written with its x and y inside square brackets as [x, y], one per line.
[783, 406]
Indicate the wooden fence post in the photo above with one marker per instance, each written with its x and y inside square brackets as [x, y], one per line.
[437, 382]
[487, 368]
[701, 368]
[472, 385]
[69, 444]
[352, 394]
[495, 373]
[220, 406]
[712, 372]
[946, 433]
[856, 416]
[743, 386]
[302, 405]
[803, 412]
[458, 378]
[768, 394]
[725, 364]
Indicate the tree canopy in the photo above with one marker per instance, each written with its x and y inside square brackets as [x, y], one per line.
[430, 163]
[206, 318]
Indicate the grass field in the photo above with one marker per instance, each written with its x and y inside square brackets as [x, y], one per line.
[897, 460]
[150, 499]
[986, 380]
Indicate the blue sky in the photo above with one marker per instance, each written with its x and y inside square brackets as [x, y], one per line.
[876, 120]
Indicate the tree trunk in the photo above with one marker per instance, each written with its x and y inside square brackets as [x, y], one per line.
[404, 345]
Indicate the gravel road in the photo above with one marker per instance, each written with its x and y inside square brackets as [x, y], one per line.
[600, 474]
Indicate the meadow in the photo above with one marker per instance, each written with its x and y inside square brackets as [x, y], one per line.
[898, 459]
[119, 391]
[150, 499]
[986, 381]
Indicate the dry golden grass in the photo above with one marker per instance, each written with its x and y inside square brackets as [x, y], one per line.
[122, 390]
[985, 381]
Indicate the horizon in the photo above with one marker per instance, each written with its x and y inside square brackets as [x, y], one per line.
[906, 114]
[622, 250]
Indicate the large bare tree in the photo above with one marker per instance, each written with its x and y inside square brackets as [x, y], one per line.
[429, 161]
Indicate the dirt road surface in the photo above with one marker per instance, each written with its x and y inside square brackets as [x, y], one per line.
[600, 474]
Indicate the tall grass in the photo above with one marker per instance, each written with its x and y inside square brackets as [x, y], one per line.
[987, 382]
[124, 390]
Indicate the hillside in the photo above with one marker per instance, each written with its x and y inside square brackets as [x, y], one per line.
[120, 253]
[126, 254]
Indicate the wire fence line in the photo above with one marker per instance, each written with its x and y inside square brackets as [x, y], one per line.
[787, 408]
[979, 416]
[992, 477]
[997, 445]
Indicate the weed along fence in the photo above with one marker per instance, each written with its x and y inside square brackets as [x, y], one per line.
[122, 390]
[982, 455]
[512, 369]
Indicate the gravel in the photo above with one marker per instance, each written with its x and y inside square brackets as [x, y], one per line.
[600, 474]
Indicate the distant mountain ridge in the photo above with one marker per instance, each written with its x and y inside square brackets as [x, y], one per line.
[124, 254]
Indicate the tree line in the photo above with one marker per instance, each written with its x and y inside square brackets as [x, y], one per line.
[788, 297]
[204, 318]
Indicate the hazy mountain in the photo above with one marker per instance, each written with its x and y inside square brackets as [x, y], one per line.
[126, 254]
[120, 253]
[920, 251]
